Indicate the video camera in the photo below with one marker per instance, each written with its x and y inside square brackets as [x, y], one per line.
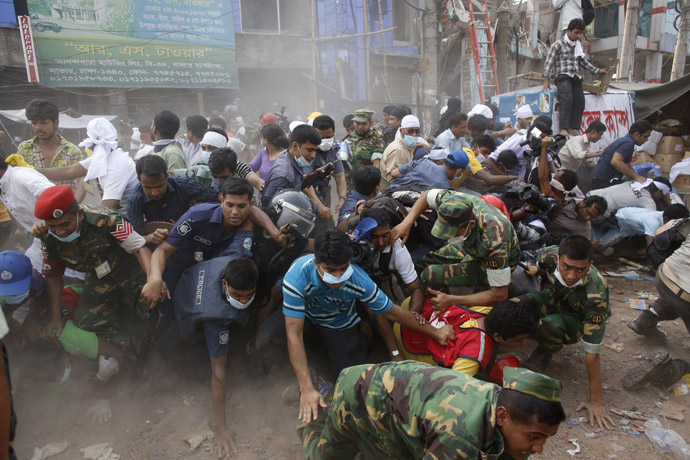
[363, 252]
[534, 142]
[532, 196]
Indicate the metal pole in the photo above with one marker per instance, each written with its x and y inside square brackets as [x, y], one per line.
[627, 63]
[313, 54]
[681, 42]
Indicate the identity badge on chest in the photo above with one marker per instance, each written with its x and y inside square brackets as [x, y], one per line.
[102, 269]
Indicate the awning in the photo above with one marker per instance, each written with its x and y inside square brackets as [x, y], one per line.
[650, 97]
[66, 121]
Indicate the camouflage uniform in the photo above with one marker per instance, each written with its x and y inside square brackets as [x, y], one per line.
[492, 245]
[364, 148]
[105, 237]
[411, 411]
[569, 314]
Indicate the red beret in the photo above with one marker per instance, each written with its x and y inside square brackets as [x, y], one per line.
[269, 118]
[54, 202]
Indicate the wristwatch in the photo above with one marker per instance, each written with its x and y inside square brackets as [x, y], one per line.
[395, 353]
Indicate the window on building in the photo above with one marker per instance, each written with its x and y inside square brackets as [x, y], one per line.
[276, 16]
[403, 21]
[606, 19]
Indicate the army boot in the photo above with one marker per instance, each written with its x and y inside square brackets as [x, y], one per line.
[646, 325]
[648, 370]
[539, 359]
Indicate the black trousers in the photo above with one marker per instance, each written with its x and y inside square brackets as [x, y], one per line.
[571, 98]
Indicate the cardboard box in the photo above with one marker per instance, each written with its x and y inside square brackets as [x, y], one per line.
[670, 145]
[682, 184]
[641, 158]
[687, 155]
[667, 160]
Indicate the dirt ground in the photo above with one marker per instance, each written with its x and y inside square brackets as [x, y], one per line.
[151, 418]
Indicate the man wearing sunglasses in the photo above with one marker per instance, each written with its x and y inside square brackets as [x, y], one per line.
[401, 150]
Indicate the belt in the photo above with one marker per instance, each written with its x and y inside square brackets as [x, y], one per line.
[672, 286]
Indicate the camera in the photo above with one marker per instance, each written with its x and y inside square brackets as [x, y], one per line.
[532, 196]
[534, 142]
[363, 252]
[326, 171]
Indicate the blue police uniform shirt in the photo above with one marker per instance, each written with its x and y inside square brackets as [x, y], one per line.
[349, 204]
[422, 171]
[322, 158]
[180, 192]
[284, 174]
[603, 170]
[306, 296]
[201, 229]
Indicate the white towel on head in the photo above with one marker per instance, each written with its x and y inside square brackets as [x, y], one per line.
[102, 138]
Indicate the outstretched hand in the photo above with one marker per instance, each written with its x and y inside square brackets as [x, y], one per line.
[597, 412]
[223, 442]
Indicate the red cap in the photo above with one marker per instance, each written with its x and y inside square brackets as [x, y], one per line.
[54, 202]
[269, 118]
[497, 203]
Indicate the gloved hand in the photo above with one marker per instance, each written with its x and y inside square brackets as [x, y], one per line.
[100, 411]
[17, 160]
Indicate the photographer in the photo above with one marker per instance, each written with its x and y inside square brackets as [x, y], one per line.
[392, 260]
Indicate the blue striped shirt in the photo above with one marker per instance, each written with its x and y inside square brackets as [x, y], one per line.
[306, 296]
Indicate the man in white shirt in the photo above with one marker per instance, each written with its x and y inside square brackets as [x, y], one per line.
[636, 194]
[196, 127]
[454, 137]
[113, 168]
[576, 151]
[570, 9]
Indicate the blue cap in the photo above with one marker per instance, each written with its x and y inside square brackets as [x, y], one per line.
[15, 273]
[460, 159]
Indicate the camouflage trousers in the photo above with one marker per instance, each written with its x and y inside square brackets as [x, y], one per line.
[450, 267]
[559, 329]
[107, 303]
[346, 431]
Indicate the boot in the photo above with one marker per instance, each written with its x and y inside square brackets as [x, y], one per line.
[648, 370]
[646, 325]
[539, 359]
[671, 373]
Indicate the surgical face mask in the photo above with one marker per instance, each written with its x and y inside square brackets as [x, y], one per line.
[205, 156]
[303, 161]
[460, 239]
[330, 279]
[69, 238]
[16, 299]
[218, 183]
[236, 303]
[326, 144]
[410, 140]
[557, 275]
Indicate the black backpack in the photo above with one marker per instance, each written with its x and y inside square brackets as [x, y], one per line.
[587, 11]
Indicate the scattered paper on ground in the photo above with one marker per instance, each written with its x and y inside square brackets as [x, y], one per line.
[615, 346]
[629, 414]
[102, 451]
[577, 449]
[199, 436]
[49, 450]
[672, 410]
[682, 388]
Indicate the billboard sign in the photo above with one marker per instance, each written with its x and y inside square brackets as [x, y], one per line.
[135, 43]
[29, 49]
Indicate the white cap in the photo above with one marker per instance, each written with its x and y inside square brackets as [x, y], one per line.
[214, 139]
[295, 124]
[524, 111]
[437, 154]
[409, 121]
[481, 109]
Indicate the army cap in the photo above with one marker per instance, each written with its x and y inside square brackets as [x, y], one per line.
[363, 115]
[54, 202]
[453, 213]
[532, 384]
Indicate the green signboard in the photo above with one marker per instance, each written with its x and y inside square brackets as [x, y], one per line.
[135, 43]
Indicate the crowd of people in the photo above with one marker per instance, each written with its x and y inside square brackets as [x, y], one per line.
[442, 252]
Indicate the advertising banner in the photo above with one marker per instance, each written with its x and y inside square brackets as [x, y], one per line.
[135, 43]
[29, 49]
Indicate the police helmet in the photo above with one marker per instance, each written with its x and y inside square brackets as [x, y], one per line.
[292, 207]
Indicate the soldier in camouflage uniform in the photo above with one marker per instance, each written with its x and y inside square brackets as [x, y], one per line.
[411, 411]
[103, 245]
[366, 143]
[482, 248]
[574, 307]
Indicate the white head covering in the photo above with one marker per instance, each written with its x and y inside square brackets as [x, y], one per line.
[409, 121]
[637, 186]
[295, 124]
[481, 109]
[236, 144]
[215, 139]
[524, 111]
[437, 154]
[102, 135]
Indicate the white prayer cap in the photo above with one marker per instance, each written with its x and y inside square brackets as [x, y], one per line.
[524, 111]
[481, 109]
[409, 121]
[437, 154]
[214, 139]
[295, 124]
